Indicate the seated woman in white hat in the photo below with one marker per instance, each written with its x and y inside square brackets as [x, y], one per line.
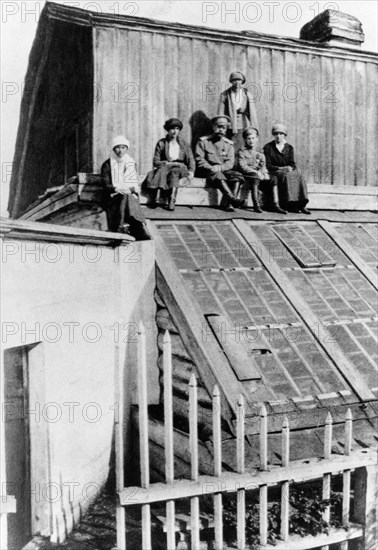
[285, 175]
[120, 196]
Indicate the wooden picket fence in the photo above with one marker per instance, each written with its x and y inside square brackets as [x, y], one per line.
[362, 462]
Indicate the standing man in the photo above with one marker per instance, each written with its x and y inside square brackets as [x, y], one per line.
[237, 103]
[215, 157]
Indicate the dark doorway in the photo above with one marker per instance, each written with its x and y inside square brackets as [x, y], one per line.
[17, 445]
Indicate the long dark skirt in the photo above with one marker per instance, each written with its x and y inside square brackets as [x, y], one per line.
[123, 209]
[166, 177]
[292, 189]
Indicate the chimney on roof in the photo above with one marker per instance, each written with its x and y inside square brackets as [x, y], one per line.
[334, 28]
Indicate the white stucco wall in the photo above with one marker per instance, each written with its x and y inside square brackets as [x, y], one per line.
[82, 303]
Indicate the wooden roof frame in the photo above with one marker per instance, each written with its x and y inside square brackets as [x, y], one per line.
[95, 19]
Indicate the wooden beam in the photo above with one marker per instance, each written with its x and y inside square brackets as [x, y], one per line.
[22, 230]
[156, 435]
[231, 342]
[50, 204]
[325, 197]
[299, 471]
[312, 418]
[321, 197]
[349, 251]
[356, 191]
[334, 352]
[296, 542]
[210, 361]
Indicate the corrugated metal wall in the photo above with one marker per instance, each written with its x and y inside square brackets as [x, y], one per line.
[328, 103]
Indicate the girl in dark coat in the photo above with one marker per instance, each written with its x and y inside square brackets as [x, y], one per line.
[280, 163]
[237, 103]
[173, 160]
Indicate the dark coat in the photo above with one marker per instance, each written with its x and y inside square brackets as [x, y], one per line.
[164, 176]
[276, 159]
[107, 185]
[161, 154]
[292, 187]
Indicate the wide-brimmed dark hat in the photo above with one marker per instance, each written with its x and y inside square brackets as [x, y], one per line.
[235, 75]
[215, 119]
[173, 123]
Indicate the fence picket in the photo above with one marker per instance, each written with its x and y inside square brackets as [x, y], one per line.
[193, 443]
[217, 442]
[328, 437]
[263, 514]
[263, 466]
[119, 446]
[347, 473]
[168, 437]
[263, 438]
[327, 477]
[348, 432]
[143, 435]
[285, 485]
[240, 439]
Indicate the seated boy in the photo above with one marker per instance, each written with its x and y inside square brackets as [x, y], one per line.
[251, 163]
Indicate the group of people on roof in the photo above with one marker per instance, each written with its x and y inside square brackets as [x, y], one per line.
[227, 159]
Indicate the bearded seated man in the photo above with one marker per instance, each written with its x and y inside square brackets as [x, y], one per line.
[215, 159]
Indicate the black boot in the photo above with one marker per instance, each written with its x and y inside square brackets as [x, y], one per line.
[278, 209]
[139, 231]
[234, 186]
[255, 196]
[276, 206]
[225, 203]
[172, 199]
[154, 198]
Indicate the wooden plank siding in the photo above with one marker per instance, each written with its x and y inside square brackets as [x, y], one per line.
[339, 128]
[313, 172]
[324, 101]
[253, 75]
[327, 102]
[144, 71]
[371, 125]
[360, 120]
